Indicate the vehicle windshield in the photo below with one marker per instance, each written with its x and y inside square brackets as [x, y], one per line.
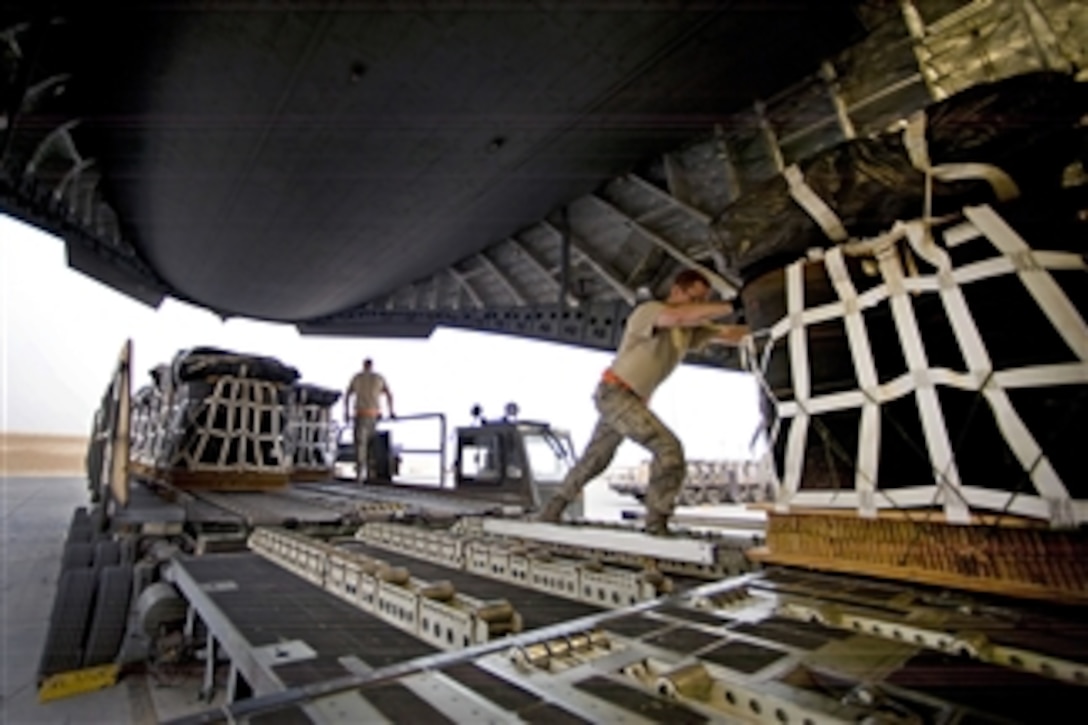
[550, 454]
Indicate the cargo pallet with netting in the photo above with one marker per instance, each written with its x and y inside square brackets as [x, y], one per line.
[226, 421]
[930, 377]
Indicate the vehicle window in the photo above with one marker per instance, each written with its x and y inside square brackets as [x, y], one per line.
[548, 457]
[480, 459]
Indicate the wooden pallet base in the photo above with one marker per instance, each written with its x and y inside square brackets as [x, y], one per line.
[225, 480]
[916, 515]
[311, 474]
[1016, 560]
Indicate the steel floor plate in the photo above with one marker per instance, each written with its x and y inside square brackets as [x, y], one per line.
[803, 635]
[1018, 696]
[268, 605]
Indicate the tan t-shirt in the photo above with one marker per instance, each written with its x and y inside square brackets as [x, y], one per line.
[647, 355]
[367, 387]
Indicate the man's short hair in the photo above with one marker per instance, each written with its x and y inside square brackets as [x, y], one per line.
[688, 277]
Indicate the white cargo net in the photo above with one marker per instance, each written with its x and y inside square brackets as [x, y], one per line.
[1050, 499]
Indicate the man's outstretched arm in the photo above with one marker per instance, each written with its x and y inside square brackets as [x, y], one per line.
[729, 334]
[692, 314]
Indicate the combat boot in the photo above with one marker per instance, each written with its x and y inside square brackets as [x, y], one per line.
[657, 524]
[553, 510]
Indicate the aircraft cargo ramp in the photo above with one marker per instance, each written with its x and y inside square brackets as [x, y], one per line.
[372, 627]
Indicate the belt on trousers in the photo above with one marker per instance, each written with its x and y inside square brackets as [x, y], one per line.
[368, 413]
[610, 378]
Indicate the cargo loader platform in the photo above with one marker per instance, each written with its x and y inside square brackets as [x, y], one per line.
[775, 646]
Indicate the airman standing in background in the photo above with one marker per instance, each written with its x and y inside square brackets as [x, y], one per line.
[365, 389]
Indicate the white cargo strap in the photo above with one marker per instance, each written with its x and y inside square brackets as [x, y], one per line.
[1002, 184]
[929, 407]
[798, 348]
[1012, 427]
[868, 453]
[1062, 374]
[1040, 283]
[914, 139]
[813, 205]
[1051, 498]
[873, 246]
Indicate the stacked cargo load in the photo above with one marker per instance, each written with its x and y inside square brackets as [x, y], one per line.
[311, 433]
[215, 418]
[919, 312]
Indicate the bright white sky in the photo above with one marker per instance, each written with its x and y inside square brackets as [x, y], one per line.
[61, 332]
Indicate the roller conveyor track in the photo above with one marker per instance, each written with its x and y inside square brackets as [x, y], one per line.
[679, 583]
[1041, 629]
[538, 609]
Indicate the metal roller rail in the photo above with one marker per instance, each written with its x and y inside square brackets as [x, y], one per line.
[537, 608]
[432, 611]
[577, 579]
[1035, 643]
[703, 556]
[581, 568]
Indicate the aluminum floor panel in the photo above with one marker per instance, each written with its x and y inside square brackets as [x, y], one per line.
[439, 501]
[271, 508]
[202, 512]
[639, 702]
[1067, 639]
[635, 626]
[269, 605]
[401, 705]
[685, 640]
[804, 635]
[147, 507]
[286, 716]
[1018, 696]
[538, 609]
[506, 695]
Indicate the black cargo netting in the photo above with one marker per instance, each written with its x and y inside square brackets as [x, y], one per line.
[202, 363]
[1021, 130]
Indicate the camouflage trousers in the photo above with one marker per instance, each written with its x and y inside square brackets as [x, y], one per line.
[624, 415]
[364, 429]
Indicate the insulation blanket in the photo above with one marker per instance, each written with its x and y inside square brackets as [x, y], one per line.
[1026, 126]
[201, 363]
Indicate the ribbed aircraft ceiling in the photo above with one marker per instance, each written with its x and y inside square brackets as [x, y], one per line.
[292, 161]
